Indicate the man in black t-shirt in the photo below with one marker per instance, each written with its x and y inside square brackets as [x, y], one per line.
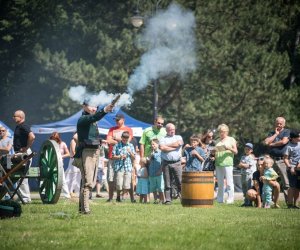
[23, 140]
[276, 141]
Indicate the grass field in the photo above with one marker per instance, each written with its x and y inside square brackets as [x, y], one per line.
[148, 226]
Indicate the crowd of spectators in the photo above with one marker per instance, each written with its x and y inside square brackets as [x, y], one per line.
[154, 165]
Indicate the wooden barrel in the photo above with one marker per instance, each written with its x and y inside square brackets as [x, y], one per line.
[197, 189]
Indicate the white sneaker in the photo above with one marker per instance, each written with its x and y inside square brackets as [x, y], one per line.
[229, 201]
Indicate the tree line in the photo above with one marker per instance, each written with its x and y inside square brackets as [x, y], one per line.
[247, 74]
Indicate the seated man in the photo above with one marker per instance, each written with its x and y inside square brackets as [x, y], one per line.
[5, 142]
[254, 193]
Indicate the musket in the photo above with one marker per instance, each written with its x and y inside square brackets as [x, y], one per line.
[114, 101]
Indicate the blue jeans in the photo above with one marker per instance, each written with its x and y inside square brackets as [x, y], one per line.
[246, 185]
[267, 193]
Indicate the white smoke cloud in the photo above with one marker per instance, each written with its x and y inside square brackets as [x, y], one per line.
[170, 43]
[80, 94]
[170, 49]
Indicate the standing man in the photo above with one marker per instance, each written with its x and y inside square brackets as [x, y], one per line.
[157, 131]
[23, 140]
[276, 141]
[88, 151]
[171, 147]
[114, 136]
[5, 142]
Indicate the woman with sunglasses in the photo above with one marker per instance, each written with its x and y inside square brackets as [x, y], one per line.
[207, 140]
[5, 142]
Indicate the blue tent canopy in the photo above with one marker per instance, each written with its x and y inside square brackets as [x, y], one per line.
[69, 124]
[67, 127]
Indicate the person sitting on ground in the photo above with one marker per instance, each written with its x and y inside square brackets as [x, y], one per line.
[194, 155]
[248, 166]
[255, 192]
[6, 143]
[123, 155]
[291, 160]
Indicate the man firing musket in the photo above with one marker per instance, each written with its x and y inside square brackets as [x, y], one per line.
[88, 148]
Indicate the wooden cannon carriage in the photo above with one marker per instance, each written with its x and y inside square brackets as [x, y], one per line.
[49, 172]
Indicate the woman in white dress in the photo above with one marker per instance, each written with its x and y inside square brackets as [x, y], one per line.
[64, 151]
[73, 176]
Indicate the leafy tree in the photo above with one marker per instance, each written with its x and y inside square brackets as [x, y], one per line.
[247, 74]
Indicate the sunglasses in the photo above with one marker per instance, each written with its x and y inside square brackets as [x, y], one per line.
[2, 130]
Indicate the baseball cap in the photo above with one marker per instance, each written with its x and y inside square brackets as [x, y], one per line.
[119, 117]
[249, 145]
[294, 134]
[88, 102]
[85, 102]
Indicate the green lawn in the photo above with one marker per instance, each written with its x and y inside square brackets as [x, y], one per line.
[149, 226]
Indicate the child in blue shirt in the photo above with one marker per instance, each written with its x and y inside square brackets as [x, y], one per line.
[123, 155]
[248, 167]
[269, 174]
[194, 154]
[156, 179]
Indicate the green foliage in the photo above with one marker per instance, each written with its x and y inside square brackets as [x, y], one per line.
[240, 71]
[247, 72]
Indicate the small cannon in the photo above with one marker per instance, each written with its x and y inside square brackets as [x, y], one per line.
[49, 172]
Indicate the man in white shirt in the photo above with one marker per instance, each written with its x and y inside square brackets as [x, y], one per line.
[171, 150]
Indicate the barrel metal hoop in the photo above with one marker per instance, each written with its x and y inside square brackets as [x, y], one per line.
[200, 179]
[190, 202]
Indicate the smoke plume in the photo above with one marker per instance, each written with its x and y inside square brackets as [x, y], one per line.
[170, 47]
[80, 94]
